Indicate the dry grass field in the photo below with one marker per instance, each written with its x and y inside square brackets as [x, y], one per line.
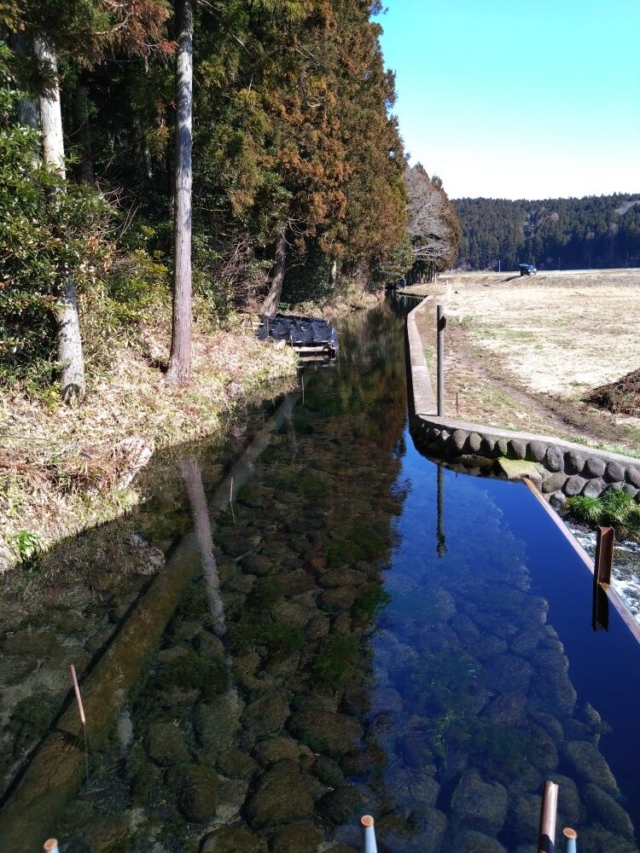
[524, 352]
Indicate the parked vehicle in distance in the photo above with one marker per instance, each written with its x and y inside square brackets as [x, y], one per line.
[527, 269]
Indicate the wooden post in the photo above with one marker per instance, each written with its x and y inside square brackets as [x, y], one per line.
[604, 555]
[442, 322]
[548, 810]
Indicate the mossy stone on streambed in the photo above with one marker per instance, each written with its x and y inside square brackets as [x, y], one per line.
[191, 671]
[195, 788]
[166, 744]
[233, 839]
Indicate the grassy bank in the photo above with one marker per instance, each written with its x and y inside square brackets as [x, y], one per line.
[525, 353]
[65, 469]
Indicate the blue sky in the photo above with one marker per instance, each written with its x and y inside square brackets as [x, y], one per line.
[515, 99]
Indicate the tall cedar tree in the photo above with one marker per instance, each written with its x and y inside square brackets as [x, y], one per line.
[298, 101]
[180, 359]
[374, 224]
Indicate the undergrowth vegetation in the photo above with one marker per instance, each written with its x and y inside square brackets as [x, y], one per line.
[615, 508]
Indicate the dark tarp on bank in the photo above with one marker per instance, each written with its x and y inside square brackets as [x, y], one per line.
[302, 333]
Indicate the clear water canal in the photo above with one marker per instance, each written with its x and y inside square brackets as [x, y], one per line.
[363, 633]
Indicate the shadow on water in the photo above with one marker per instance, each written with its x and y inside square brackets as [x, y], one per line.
[361, 632]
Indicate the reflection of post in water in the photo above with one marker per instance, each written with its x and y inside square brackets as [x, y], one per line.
[442, 548]
[192, 474]
[238, 475]
[600, 608]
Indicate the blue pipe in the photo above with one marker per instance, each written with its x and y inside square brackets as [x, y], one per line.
[368, 835]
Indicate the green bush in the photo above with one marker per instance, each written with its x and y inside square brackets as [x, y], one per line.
[615, 508]
[49, 230]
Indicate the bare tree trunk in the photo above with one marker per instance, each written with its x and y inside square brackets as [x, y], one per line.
[333, 274]
[276, 276]
[70, 356]
[81, 122]
[180, 358]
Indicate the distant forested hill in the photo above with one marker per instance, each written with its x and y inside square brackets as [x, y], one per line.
[596, 231]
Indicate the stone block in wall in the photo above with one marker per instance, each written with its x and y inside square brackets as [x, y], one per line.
[632, 476]
[594, 467]
[488, 447]
[574, 485]
[594, 487]
[536, 451]
[614, 472]
[574, 462]
[518, 448]
[503, 446]
[557, 500]
[554, 459]
[475, 442]
[553, 482]
[459, 440]
[631, 490]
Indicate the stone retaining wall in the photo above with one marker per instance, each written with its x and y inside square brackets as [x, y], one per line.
[558, 468]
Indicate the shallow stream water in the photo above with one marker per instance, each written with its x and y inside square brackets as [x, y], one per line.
[364, 632]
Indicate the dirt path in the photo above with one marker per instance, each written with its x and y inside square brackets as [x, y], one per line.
[523, 355]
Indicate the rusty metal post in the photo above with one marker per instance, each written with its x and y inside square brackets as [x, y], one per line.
[442, 322]
[604, 555]
[548, 810]
[600, 607]
[570, 836]
[368, 835]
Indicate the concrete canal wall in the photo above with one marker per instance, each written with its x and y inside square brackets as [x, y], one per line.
[558, 468]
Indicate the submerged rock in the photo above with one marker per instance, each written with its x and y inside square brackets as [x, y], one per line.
[343, 804]
[215, 722]
[296, 838]
[281, 796]
[479, 805]
[271, 751]
[477, 842]
[196, 792]
[233, 839]
[589, 764]
[604, 808]
[267, 715]
[430, 825]
[166, 744]
[326, 732]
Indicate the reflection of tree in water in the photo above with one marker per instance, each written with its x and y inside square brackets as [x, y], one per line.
[295, 574]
